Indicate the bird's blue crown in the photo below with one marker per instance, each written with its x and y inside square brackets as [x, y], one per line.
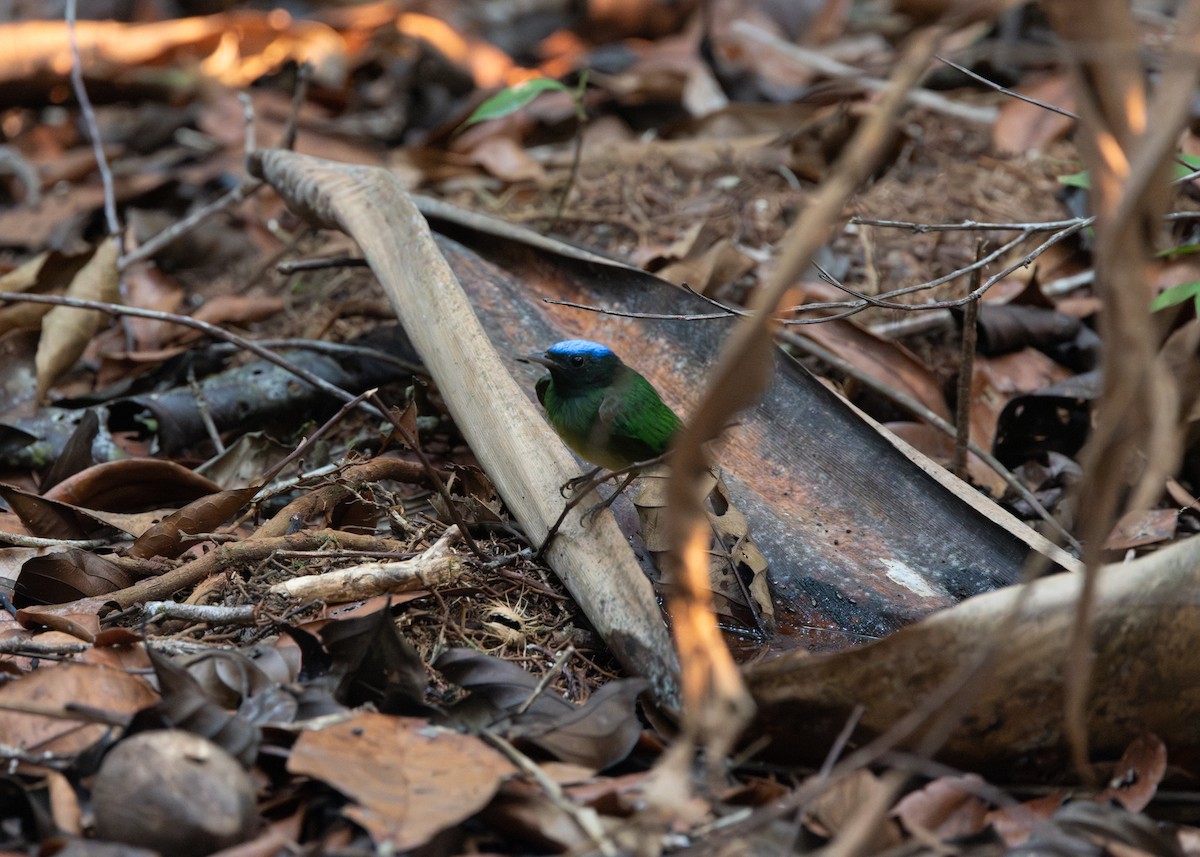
[580, 346]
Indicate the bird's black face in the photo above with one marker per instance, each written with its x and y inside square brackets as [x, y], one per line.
[578, 366]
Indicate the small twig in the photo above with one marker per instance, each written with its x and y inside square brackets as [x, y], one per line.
[913, 324]
[287, 268]
[580, 122]
[308, 442]
[303, 77]
[37, 649]
[981, 79]
[398, 556]
[35, 542]
[67, 712]
[209, 614]
[157, 242]
[338, 349]
[251, 140]
[838, 284]
[968, 225]
[205, 416]
[246, 189]
[585, 818]
[437, 566]
[435, 478]
[962, 416]
[840, 742]
[652, 316]
[210, 329]
[829, 66]
[544, 681]
[966, 369]
[575, 159]
[233, 555]
[283, 485]
[12, 161]
[89, 121]
[1064, 285]
[506, 560]
[850, 308]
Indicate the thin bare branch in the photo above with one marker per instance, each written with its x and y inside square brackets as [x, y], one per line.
[1027, 99]
[210, 329]
[89, 122]
[827, 65]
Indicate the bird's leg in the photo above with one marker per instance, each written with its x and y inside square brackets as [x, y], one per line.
[585, 484]
[590, 514]
[580, 487]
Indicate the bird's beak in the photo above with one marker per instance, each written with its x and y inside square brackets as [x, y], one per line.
[537, 358]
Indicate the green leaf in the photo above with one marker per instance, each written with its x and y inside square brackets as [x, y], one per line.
[1080, 179]
[1177, 295]
[509, 101]
[1190, 164]
[1176, 252]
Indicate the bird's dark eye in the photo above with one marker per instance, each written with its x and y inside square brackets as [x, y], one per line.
[577, 360]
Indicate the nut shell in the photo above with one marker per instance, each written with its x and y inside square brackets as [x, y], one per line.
[175, 793]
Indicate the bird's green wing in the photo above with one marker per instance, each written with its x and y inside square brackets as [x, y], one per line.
[639, 426]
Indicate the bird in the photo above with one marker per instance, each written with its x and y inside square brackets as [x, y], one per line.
[604, 410]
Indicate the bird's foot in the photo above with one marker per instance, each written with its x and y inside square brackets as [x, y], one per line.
[572, 486]
[589, 515]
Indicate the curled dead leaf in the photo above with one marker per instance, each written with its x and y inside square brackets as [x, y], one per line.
[66, 331]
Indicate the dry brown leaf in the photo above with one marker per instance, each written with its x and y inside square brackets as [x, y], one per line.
[167, 538]
[64, 804]
[735, 541]
[41, 274]
[1014, 823]
[948, 807]
[718, 264]
[58, 687]
[238, 309]
[131, 485]
[236, 48]
[66, 331]
[1178, 358]
[1135, 779]
[23, 316]
[939, 446]
[648, 255]
[81, 626]
[997, 380]
[53, 519]
[409, 780]
[149, 288]
[66, 576]
[1140, 528]
[839, 806]
[889, 363]
[501, 156]
[1023, 127]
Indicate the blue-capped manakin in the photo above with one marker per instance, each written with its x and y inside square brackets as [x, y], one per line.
[605, 411]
